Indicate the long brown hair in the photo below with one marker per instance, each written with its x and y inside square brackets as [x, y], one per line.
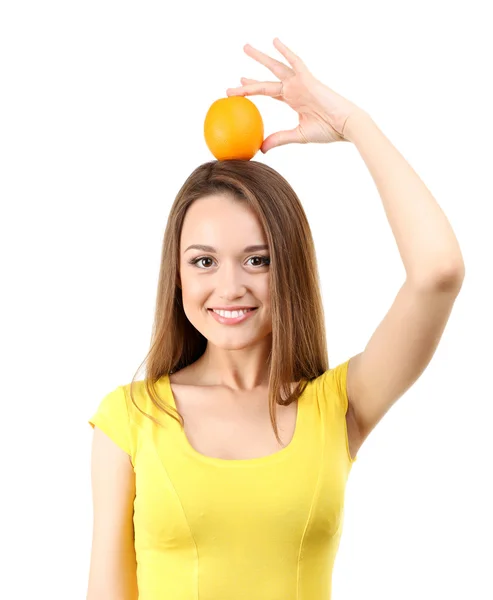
[299, 350]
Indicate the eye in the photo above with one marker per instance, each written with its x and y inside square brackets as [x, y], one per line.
[264, 261]
[195, 261]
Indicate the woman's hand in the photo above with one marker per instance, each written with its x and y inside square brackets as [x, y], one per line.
[322, 112]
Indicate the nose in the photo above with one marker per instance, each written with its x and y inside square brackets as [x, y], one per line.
[230, 281]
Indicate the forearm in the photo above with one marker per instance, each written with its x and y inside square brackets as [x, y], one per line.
[425, 239]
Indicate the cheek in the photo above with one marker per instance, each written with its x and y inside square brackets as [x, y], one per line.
[264, 293]
[192, 286]
[194, 295]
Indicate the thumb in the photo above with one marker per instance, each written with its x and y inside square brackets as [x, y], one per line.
[281, 138]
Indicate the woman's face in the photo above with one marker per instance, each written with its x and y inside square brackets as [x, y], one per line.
[227, 276]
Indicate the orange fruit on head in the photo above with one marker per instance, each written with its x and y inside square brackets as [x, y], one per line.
[233, 128]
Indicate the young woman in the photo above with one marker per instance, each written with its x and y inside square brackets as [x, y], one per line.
[222, 474]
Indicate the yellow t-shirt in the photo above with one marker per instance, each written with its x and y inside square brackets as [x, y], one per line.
[206, 528]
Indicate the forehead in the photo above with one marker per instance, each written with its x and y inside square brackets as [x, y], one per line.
[219, 220]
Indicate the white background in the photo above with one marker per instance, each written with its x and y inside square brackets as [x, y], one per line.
[101, 121]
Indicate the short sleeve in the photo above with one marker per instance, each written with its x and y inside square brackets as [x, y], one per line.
[112, 418]
[338, 377]
[336, 380]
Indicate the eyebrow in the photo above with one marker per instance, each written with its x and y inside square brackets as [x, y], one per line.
[211, 249]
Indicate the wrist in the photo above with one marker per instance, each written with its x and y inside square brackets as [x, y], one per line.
[354, 123]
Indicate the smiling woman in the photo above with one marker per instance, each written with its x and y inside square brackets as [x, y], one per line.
[240, 494]
[238, 360]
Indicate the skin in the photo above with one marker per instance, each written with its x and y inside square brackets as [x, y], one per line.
[236, 356]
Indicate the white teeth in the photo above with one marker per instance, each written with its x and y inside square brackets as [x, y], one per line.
[230, 314]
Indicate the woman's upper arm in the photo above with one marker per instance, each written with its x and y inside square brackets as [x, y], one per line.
[113, 565]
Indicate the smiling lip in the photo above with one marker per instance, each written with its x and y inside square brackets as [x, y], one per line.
[231, 307]
[228, 321]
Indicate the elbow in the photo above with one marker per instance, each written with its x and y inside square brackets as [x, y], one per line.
[448, 278]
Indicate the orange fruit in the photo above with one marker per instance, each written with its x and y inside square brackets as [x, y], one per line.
[233, 128]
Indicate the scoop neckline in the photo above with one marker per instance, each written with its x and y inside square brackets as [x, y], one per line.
[232, 462]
